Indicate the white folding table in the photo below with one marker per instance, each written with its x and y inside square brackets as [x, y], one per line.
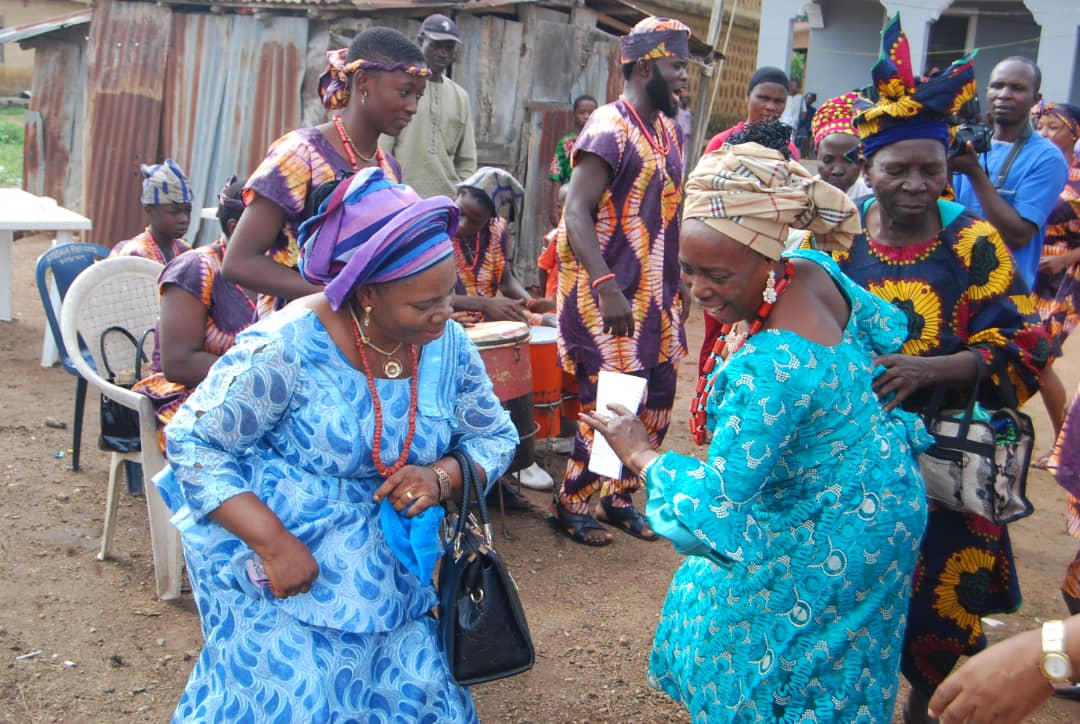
[20, 211]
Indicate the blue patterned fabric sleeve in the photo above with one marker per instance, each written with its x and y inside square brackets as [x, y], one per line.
[484, 428]
[246, 393]
[761, 398]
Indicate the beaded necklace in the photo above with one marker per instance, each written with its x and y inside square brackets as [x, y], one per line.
[157, 249]
[350, 148]
[376, 453]
[459, 251]
[662, 144]
[698, 417]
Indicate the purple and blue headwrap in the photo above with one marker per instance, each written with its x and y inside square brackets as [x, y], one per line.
[656, 37]
[373, 231]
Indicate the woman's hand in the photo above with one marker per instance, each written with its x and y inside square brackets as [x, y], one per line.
[1001, 684]
[414, 487]
[625, 433]
[289, 565]
[1051, 265]
[903, 375]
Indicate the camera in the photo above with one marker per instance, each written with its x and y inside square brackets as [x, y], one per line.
[969, 130]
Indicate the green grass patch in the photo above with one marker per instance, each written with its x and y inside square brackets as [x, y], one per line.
[11, 146]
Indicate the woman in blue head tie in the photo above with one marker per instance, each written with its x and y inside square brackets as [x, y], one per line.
[308, 472]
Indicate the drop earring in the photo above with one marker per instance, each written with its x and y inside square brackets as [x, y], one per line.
[363, 98]
[367, 316]
[769, 295]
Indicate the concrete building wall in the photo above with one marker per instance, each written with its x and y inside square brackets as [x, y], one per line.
[841, 54]
[16, 64]
[993, 31]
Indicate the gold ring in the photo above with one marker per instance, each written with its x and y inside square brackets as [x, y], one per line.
[409, 494]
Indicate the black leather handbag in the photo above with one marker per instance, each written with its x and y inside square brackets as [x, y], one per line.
[119, 424]
[481, 621]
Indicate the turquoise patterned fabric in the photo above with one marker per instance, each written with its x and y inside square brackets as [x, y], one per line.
[284, 415]
[802, 531]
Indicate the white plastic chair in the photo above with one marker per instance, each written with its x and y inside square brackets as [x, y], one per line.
[123, 292]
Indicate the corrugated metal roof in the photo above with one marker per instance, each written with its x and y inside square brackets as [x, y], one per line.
[30, 30]
[126, 60]
[220, 120]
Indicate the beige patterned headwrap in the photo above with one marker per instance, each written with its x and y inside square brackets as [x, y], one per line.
[754, 195]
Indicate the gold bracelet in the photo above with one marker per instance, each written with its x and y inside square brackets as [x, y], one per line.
[444, 482]
[643, 474]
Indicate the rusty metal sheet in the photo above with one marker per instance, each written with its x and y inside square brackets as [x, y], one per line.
[126, 61]
[52, 156]
[233, 87]
[19, 33]
[546, 125]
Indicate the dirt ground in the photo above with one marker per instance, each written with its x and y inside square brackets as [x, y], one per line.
[109, 651]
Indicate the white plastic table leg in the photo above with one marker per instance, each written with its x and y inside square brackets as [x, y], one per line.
[49, 355]
[5, 275]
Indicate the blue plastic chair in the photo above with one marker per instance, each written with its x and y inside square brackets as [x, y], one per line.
[64, 263]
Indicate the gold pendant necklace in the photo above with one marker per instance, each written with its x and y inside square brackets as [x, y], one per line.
[391, 367]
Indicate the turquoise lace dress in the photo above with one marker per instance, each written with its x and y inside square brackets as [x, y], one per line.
[285, 416]
[801, 531]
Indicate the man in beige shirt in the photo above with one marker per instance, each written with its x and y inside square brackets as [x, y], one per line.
[438, 148]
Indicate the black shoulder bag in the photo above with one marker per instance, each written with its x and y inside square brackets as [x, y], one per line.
[119, 424]
[481, 621]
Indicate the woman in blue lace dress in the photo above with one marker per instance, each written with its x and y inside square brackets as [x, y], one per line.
[308, 470]
[802, 527]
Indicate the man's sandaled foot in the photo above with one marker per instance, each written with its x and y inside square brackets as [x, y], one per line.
[629, 520]
[580, 528]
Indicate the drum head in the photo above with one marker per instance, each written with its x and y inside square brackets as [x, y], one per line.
[497, 334]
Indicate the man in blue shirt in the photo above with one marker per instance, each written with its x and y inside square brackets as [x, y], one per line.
[1016, 198]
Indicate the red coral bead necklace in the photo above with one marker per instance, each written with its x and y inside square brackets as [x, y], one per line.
[376, 453]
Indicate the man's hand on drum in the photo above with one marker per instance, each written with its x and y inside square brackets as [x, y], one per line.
[624, 432]
[615, 310]
[414, 487]
[500, 309]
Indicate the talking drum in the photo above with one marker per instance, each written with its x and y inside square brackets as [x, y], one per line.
[502, 347]
[546, 381]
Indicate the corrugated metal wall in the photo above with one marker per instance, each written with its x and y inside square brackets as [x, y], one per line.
[126, 59]
[52, 158]
[233, 86]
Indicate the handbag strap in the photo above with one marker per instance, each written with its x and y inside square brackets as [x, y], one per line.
[105, 357]
[470, 485]
[937, 398]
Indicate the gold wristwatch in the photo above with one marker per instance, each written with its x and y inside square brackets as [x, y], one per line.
[1055, 663]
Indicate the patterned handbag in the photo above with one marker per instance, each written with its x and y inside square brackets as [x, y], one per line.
[481, 621]
[980, 465]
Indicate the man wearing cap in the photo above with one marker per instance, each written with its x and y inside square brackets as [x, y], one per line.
[437, 150]
[619, 303]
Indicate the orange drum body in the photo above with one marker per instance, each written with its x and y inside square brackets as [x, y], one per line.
[504, 349]
[547, 380]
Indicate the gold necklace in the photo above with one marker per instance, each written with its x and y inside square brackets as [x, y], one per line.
[391, 367]
[348, 139]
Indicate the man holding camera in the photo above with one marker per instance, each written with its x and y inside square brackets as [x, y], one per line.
[1016, 183]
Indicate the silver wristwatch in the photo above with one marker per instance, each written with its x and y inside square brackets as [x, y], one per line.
[1055, 663]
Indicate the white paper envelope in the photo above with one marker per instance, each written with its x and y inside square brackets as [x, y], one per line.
[613, 388]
